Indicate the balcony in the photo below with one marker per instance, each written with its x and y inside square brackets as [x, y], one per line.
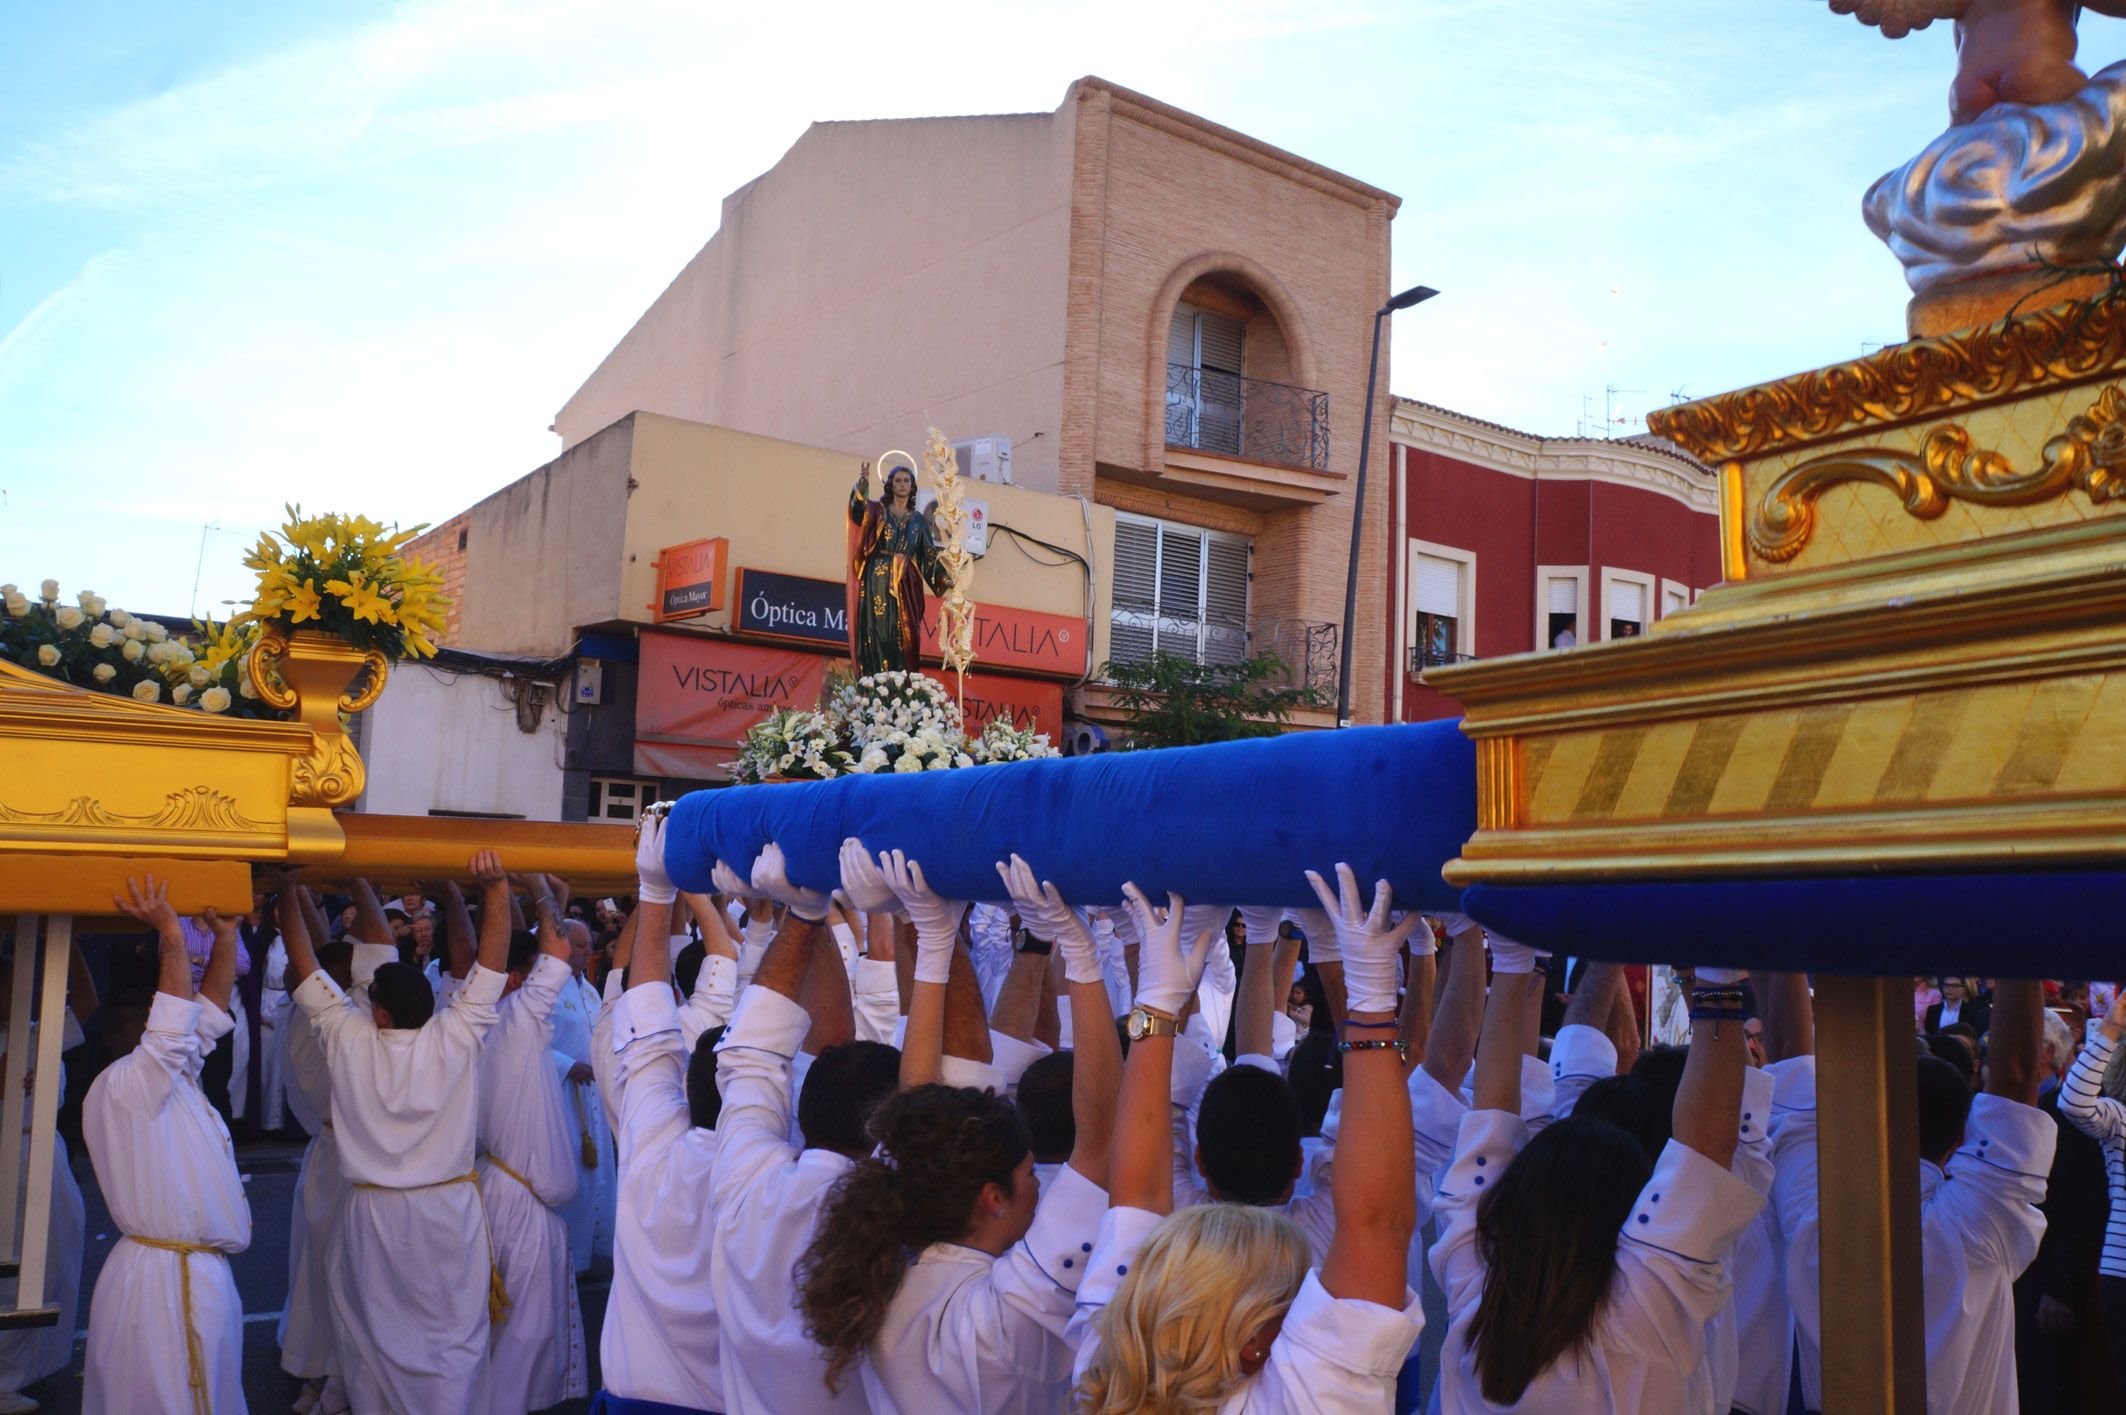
[1248, 418]
[1424, 656]
[1247, 440]
[1308, 650]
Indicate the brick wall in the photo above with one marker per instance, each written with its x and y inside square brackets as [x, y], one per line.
[1160, 199]
[444, 547]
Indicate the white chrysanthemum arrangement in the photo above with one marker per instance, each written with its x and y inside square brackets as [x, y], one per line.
[886, 722]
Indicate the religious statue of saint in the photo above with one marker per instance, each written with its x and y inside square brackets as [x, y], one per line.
[893, 556]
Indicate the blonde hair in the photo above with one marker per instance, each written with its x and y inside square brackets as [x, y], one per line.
[1207, 1279]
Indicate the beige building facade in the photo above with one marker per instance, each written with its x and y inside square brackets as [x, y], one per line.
[1167, 318]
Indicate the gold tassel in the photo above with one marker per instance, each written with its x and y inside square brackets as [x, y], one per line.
[583, 1128]
[497, 1296]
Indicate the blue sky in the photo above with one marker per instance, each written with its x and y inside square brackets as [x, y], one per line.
[357, 255]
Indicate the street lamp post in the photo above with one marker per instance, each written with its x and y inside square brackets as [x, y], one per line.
[1416, 294]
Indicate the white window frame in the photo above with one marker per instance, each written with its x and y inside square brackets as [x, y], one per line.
[1544, 574]
[1465, 619]
[1646, 583]
[606, 787]
[1159, 526]
[1673, 589]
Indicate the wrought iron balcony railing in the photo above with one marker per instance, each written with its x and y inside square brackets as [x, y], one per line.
[1308, 650]
[1253, 418]
[1424, 656]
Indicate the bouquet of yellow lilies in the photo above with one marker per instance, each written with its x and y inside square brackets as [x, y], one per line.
[349, 576]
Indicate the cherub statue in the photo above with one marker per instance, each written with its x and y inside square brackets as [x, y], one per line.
[2025, 183]
[2007, 51]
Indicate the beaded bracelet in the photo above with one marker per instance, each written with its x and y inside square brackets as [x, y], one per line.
[1402, 1048]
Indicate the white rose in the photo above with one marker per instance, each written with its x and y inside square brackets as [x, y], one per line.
[103, 673]
[17, 606]
[215, 699]
[200, 677]
[119, 618]
[51, 591]
[156, 633]
[244, 688]
[68, 617]
[135, 630]
[132, 651]
[8, 591]
[48, 655]
[909, 762]
[181, 694]
[147, 690]
[103, 636]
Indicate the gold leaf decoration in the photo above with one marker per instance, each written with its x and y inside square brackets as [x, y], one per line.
[2064, 344]
[194, 808]
[2088, 455]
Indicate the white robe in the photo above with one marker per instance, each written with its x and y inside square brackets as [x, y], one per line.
[305, 1331]
[274, 1010]
[661, 1339]
[590, 1213]
[530, 1157]
[33, 1353]
[168, 1171]
[408, 1268]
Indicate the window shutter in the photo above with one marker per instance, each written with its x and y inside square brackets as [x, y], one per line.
[1180, 573]
[1225, 602]
[1136, 591]
[1564, 596]
[1439, 586]
[1627, 601]
[1181, 337]
[1221, 342]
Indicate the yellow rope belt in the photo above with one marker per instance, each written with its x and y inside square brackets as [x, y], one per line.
[491, 1159]
[497, 1293]
[583, 1128]
[195, 1352]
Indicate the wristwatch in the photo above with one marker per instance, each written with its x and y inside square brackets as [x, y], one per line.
[1025, 942]
[1143, 1022]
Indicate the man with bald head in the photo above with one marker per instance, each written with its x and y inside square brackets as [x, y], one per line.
[590, 1213]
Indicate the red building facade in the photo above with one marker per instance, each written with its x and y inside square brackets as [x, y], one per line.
[1502, 542]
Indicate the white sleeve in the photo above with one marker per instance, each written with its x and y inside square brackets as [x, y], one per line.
[753, 1075]
[1336, 1354]
[877, 999]
[1484, 1146]
[1997, 1180]
[1580, 1056]
[2082, 1098]
[1672, 1249]
[709, 1005]
[1029, 1293]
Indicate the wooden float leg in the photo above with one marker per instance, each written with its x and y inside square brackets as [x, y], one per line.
[1874, 1335]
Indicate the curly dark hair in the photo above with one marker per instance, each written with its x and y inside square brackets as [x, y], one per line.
[938, 1145]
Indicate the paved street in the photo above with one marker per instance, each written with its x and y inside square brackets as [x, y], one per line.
[261, 1277]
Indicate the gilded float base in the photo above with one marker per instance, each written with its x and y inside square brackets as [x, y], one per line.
[1960, 706]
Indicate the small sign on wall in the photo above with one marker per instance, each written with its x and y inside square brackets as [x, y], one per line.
[690, 579]
[977, 513]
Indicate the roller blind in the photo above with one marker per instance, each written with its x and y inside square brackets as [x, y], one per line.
[1627, 601]
[1564, 596]
[1439, 586]
[1178, 589]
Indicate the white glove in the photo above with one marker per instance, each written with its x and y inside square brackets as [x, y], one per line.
[866, 887]
[1511, 958]
[1320, 931]
[1126, 927]
[1458, 924]
[733, 885]
[937, 921]
[1261, 921]
[652, 884]
[1043, 911]
[771, 876]
[1200, 919]
[1167, 973]
[1722, 977]
[1422, 943]
[1369, 943]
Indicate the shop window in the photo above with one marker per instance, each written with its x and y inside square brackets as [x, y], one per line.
[621, 798]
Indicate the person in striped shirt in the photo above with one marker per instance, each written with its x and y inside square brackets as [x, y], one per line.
[2103, 1119]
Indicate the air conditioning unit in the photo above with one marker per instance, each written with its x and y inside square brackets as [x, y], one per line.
[1082, 739]
[985, 459]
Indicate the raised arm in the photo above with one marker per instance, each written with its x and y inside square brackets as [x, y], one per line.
[370, 925]
[1374, 1183]
[1498, 1046]
[148, 901]
[718, 938]
[1460, 1014]
[1419, 975]
[822, 988]
[552, 941]
[497, 910]
[1256, 1001]
[937, 957]
[1167, 975]
[1789, 1015]
[1096, 1064]
[649, 928]
[457, 931]
[1326, 954]
[289, 901]
[1710, 1097]
[2082, 1098]
[219, 979]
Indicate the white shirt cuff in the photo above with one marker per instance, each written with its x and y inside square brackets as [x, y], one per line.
[1581, 1050]
[768, 1021]
[1010, 1057]
[645, 1010]
[483, 986]
[1068, 1218]
[1106, 1260]
[2010, 1135]
[1352, 1333]
[1692, 1207]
